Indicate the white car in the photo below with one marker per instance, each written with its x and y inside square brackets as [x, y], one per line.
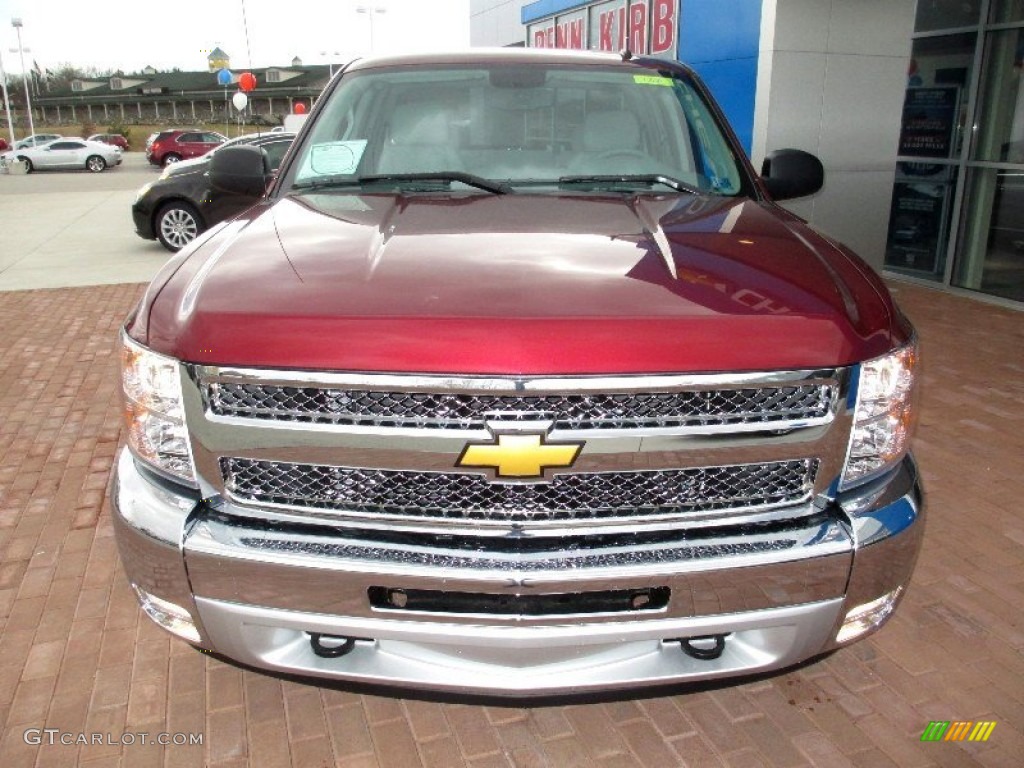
[65, 153]
[37, 140]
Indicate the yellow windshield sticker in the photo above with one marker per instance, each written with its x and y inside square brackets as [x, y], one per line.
[652, 80]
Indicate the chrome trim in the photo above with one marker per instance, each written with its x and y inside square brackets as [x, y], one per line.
[431, 450]
[258, 590]
[222, 540]
[512, 385]
[430, 526]
[527, 386]
[709, 410]
[701, 511]
[150, 523]
[886, 506]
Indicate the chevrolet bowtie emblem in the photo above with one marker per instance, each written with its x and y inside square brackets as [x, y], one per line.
[519, 455]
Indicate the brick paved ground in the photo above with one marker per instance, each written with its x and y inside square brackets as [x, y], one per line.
[75, 655]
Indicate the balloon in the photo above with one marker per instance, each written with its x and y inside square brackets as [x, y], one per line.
[247, 81]
[300, 109]
[239, 100]
[224, 76]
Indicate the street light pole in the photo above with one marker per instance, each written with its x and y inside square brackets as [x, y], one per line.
[16, 23]
[330, 62]
[369, 10]
[7, 100]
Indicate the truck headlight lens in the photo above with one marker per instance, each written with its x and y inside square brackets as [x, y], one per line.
[885, 414]
[153, 411]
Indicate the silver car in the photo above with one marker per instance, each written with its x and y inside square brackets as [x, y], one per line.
[37, 140]
[67, 153]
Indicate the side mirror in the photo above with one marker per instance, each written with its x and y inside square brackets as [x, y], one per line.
[241, 170]
[789, 173]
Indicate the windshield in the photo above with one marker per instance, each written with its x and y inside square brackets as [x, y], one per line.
[518, 126]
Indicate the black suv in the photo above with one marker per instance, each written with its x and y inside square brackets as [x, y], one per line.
[179, 205]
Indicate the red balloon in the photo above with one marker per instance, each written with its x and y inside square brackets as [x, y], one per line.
[247, 81]
[300, 108]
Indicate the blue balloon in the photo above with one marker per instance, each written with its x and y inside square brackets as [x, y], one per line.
[224, 76]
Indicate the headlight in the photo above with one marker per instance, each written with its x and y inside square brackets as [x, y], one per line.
[153, 410]
[142, 191]
[884, 416]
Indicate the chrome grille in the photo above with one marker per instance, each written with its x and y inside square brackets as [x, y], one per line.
[632, 495]
[484, 560]
[454, 410]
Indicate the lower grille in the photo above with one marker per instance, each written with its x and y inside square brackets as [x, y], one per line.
[484, 560]
[632, 496]
[501, 604]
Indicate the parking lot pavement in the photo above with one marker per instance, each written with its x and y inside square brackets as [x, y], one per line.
[76, 656]
[85, 235]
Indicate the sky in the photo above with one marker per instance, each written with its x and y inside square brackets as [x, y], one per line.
[131, 35]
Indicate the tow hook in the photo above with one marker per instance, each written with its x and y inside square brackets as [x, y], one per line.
[705, 647]
[335, 647]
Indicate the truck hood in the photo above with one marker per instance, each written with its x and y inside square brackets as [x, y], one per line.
[518, 284]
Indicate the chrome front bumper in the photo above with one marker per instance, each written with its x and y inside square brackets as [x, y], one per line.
[256, 591]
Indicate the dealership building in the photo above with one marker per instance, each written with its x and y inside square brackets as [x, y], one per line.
[916, 110]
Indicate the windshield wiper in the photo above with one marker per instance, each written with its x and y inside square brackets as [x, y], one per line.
[638, 178]
[469, 179]
[332, 182]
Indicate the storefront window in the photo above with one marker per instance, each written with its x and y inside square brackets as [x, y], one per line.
[932, 129]
[1004, 11]
[992, 249]
[958, 193]
[937, 83]
[990, 256]
[919, 221]
[946, 14]
[1001, 123]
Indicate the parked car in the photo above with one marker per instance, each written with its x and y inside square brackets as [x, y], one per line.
[37, 140]
[111, 138]
[179, 205]
[4, 146]
[172, 146]
[517, 380]
[68, 153]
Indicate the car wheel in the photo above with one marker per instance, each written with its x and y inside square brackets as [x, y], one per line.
[95, 163]
[171, 158]
[28, 164]
[177, 225]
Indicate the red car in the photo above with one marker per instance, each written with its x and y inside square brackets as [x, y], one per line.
[174, 145]
[4, 146]
[116, 139]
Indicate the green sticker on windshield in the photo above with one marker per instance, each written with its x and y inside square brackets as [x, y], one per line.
[652, 80]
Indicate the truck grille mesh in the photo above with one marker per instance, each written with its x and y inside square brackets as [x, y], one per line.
[452, 410]
[569, 497]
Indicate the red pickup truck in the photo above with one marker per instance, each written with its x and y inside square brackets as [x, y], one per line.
[515, 379]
